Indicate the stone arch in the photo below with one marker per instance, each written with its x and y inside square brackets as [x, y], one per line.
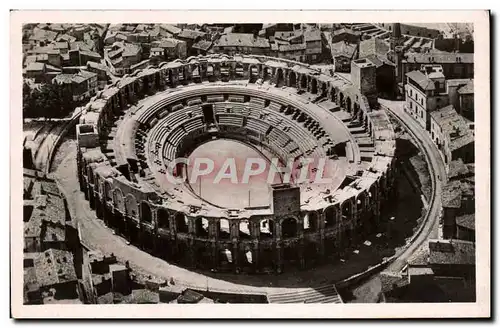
[225, 70]
[348, 104]
[280, 78]
[196, 72]
[341, 99]
[324, 89]
[383, 184]
[201, 225]
[303, 81]
[226, 257]
[239, 70]
[292, 79]
[182, 75]
[289, 227]
[90, 174]
[163, 218]
[244, 231]
[118, 200]
[311, 221]
[333, 95]
[253, 73]
[131, 207]
[266, 73]
[330, 216]
[356, 109]
[98, 185]
[361, 202]
[181, 223]
[314, 86]
[210, 70]
[169, 76]
[266, 227]
[224, 229]
[108, 193]
[373, 191]
[146, 213]
[346, 209]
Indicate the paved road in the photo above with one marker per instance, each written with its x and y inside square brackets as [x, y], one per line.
[101, 238]
[438, 174]
[42, 158]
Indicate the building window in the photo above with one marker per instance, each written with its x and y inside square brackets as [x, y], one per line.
[422, 114]
[411, 105]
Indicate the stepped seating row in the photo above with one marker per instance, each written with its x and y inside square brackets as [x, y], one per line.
[193, 124]
[278, 136]
[257, 125]
[233, 120]
[275, 107]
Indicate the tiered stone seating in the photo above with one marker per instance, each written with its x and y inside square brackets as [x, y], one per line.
[275, 107]
[257, 125]
[279, 137]
[228, 119]
[215, 98]
[194, 124]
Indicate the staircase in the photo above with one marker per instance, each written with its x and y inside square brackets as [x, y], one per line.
[324, 294]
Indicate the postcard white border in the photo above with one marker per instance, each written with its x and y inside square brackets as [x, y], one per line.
[482, 146]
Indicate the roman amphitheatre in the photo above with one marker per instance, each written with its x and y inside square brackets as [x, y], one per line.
[131, 131]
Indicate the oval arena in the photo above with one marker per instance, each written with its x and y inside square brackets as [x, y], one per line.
[131, 132]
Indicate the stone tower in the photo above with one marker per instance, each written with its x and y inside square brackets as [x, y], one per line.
[364, 78]
[398, 51]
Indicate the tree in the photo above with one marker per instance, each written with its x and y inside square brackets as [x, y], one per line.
[49, 101]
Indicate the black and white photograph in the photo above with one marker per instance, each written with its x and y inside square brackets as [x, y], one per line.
[295, 162]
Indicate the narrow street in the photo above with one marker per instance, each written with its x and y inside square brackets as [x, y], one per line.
[438, 171]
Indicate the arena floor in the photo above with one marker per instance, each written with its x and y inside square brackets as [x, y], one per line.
[227, 193]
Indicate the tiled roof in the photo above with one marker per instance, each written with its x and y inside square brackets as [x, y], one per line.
[170, 28]
[190, 34]
[422, 80]
[202, 45]
[291, 47]
[131, 50]
[87, 74]
[456, 169]
[311, 35]
[95, 65]
[467, 89]
[452, 252]
[35, 66]
[467, 221]
[453, 126]
[345, 30]
[90, 53]
[439, 58]
[343, 49]
[452, 195]
[54, 266]
[419, 257]
[43, 35]
[63, 78]
[242, 40]
[61, 45]
[167, 43]
[373, 46]
[457, 82]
